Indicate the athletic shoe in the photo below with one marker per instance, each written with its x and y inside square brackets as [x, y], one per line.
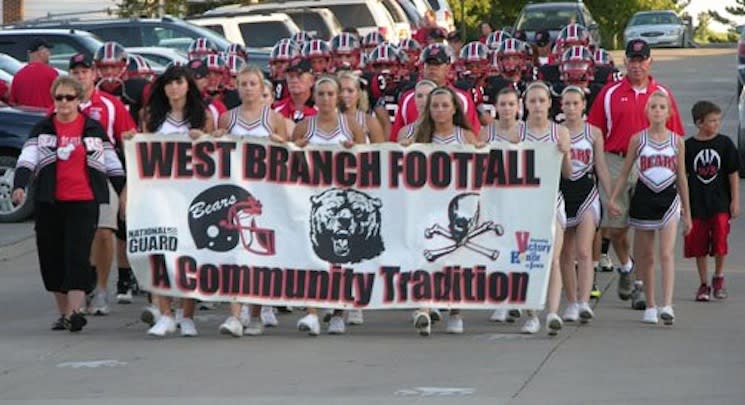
[423, 323]
[98, 305]
[720, 292]
[165, 325]
[455, 324]
[667, 315]
[284, 310]
[585, 312]
[605, 264]
[336, 326]
[59, 324]
[123, 292]
[638, 302]
[327, 314]
[532, 325]
[245, 316]
[553, 324]
[435, 315]
[354, 317]
[309, 323]
[232, 326]
[704, 293]
[268, 318]
[499, 315]
[188, 329]
[207, 306]
[253, 328]
[624, 285]
[513, 314]
[150, 315]
[571, 313]
[75, 323]
[595, 292]
[650, 316]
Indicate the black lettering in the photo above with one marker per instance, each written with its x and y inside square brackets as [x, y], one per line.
[254, 161]
[344, 161]
[209, 279]
[204, 165]
[159, 271]
[278, 157]
[422, 288]
[183, 159]
[155, 159]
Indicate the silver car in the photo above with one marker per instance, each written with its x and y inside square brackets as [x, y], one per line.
[658, 28]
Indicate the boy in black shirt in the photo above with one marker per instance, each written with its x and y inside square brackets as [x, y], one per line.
[713, 181]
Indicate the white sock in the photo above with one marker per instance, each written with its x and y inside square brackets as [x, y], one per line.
[638, 283]
[628, 266]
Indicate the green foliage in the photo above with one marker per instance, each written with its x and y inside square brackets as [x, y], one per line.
[739, 9]
[150, 8]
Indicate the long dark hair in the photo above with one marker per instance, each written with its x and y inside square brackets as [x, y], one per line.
[158, 105]
[426, 127]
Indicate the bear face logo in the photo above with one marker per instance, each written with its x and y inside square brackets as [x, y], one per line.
[345, 226]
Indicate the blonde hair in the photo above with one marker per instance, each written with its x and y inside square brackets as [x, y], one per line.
[363, 104]
[538, 84]
[658, 94]
[67, 81]
[575, 90]
[253, 70]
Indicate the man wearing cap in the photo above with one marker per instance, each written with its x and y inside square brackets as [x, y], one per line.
[116, 121]
[542, 49]
[32, 84]
[437, 62]
[299, 104]
[619, 112]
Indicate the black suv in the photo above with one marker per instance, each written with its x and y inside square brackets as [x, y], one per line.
[168, 32]
[555, 16]
[66, 42]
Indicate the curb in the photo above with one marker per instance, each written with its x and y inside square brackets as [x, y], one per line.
[16, 249]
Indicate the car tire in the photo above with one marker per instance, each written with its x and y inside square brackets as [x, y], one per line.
[9, 213]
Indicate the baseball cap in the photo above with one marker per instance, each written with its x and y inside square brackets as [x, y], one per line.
[37, 43]
[300, 65]
[80, 59]
[542, 38]
[438, 34]
[198, 68]
[436, 55]
[638, 48]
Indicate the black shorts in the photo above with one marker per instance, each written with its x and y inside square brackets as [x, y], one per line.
[121, 229]
[64, 233]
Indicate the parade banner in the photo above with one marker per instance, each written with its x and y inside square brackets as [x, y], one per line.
[372, 226]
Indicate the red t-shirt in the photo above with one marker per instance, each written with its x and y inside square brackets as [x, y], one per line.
[32, 84]
[287, 109]
[110, 113]
[72, 170]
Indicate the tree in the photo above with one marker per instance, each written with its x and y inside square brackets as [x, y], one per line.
[739, 9]
[702, 32]
[150, 8]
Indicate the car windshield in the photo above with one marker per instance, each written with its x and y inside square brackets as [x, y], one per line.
[546, 18]
[263, 34]
[654, 19]
[216, 38]
[353, 15]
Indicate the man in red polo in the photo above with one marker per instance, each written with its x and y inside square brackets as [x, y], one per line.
[619, 112]
[32, 84]
[299, 104]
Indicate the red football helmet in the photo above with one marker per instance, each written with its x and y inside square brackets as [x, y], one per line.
[237, 49]
[371, 40]
[200, 48]
[412, 49]
[346, 50]
[511, 57]
[283, 52]
[496, 38]
[218, 73]
[318, 52]
[300, 38]
[111, 61]
[242, 218]
[383, 59]
[577, 65]
[573, 35]
[602, 58]
[474, 59]
[139, 67]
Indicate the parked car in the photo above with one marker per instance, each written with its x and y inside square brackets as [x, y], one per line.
[740, 61]
[259, 59]
[555, 16]
[404, 26]
[159, 57]
[66, 42]
[365, 15]
[15, 126]
[10, 64]
[252, 31]
[444, 14]
[658, 28]
[136, 31]
[320, 22]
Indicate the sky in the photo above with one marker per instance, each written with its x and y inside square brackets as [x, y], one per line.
[698, 6]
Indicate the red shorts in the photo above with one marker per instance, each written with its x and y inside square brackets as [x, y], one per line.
[708, 237]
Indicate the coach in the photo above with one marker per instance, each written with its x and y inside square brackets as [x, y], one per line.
[619, 112]
[31, 85]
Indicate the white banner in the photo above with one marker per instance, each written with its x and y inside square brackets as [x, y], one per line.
[374, 226]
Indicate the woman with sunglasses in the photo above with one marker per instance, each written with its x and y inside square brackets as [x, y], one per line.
[175, 107]
[72, 162]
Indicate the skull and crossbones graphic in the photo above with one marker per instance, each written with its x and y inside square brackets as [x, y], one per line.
[463, 215]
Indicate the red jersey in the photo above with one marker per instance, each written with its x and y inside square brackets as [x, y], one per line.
[287, 109]
[216, 108]
[111, 113]
[72, 169]
[32, 86]
[618, 111]
[407, 112]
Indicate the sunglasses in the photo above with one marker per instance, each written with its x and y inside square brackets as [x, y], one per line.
[66, 97]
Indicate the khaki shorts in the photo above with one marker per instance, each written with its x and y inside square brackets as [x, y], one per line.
[107, 212]
[615, 164]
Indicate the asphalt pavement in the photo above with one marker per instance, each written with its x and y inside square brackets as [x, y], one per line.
[614, 360]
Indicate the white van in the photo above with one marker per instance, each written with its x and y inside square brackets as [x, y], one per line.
[256, 31]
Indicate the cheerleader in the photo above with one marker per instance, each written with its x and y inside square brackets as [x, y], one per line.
[582, 204]
[655, 207]
[354, 105]
[328, 127]
[421, 92]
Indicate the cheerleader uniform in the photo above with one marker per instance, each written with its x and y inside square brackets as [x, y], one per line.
[552, 136]
[493, 135]
[655, 201]
[455, 138]
[361, 119]
[260, 127]
[580, 190]
[315, 135]
[409, 131]
[174, 126]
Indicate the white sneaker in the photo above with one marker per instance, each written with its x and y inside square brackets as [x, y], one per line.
[571, 313]
[455, 324]
[354, 317]
[253, 328]
[585, 312]
[423, 323]
[150, 315]
[499, 315]
[124, 297]
[667, 315]
[188, 329]
[309, 323]
[336, 325]
[232, 326]
[164, 325]
[245, 315]
[98, 305]
[553, 324]
[268, 318]
[178, 316]
[650, 316]
[532, 325]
